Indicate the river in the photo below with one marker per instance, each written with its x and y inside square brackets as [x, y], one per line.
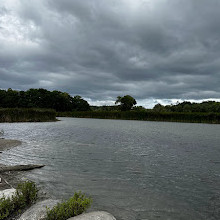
[136, 170]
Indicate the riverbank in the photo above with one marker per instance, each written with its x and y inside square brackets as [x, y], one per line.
[188, 117]
[10, 177]
[26, 115]
[7, 144]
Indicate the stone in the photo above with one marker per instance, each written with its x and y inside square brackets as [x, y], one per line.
[7, 192]
[21, 167]
[98, 215]
[38, 211]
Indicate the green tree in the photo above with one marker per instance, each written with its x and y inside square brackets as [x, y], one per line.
[159, 108]
[80, 104]
[42, 98]
[126, 102]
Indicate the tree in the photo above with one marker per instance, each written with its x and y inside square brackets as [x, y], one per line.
[42, 98]
[80, 104]
[159, 108]
[126, 102]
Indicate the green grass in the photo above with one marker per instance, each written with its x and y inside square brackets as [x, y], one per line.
[25, 195]
[74, 206]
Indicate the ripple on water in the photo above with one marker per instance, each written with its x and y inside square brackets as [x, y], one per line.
[133, 169]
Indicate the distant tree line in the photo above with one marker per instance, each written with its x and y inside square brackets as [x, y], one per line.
[206, 112]
[63, 102]
[127, 103]
[42, 98]
[207, 106]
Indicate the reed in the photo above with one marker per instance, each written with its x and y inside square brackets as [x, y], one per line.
[26, 115]
[192, 117]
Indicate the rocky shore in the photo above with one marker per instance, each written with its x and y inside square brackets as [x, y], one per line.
[10, 177]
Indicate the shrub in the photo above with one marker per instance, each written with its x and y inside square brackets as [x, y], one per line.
[25, 195]
[6, 207]
[72, 207]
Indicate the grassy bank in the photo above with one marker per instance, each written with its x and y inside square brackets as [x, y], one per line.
[147, 116]
[26, 115]
[26, 194]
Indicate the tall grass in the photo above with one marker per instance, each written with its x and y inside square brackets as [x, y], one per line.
[26, 115]
[193, 117]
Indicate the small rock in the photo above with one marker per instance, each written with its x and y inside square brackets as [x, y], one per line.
[38, 211]
[7, 193]
[99, 215]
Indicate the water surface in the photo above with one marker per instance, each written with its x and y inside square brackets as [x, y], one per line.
[133, 169]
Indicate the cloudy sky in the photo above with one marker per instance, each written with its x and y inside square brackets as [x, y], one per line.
[155, 50]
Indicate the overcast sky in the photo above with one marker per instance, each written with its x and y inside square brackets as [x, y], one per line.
[154, 50]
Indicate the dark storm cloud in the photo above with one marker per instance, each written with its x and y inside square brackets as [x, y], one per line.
[165, 49]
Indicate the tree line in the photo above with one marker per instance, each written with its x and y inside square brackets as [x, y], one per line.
[127, 103]
[63, 102]
[42, 98]
[205, 107]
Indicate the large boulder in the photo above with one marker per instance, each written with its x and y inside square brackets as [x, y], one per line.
[98, 215]
[38, 211]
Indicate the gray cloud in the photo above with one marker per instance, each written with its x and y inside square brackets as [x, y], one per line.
[153, 50]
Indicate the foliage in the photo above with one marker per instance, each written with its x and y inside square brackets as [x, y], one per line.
[80, 104]
[6, 207]
[208, 106]
[148, 115]
[126, 102]
[28, 191]
[74, 206]
[139, 108]
[42, 98]
[25, 195]
[105, 108]
[26, 115]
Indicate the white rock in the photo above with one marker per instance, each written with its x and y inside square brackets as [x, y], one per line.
[7, 192]
[99, 215]
[38, 211]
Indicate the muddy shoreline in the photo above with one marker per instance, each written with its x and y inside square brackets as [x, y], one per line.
[6, 144]
[10, 176]
[9, 179]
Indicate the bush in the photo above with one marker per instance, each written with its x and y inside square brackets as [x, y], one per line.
[27, 192]
[5, 207]
[74, 206]
[25, 195]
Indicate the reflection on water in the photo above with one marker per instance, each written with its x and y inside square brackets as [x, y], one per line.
[133, 169]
